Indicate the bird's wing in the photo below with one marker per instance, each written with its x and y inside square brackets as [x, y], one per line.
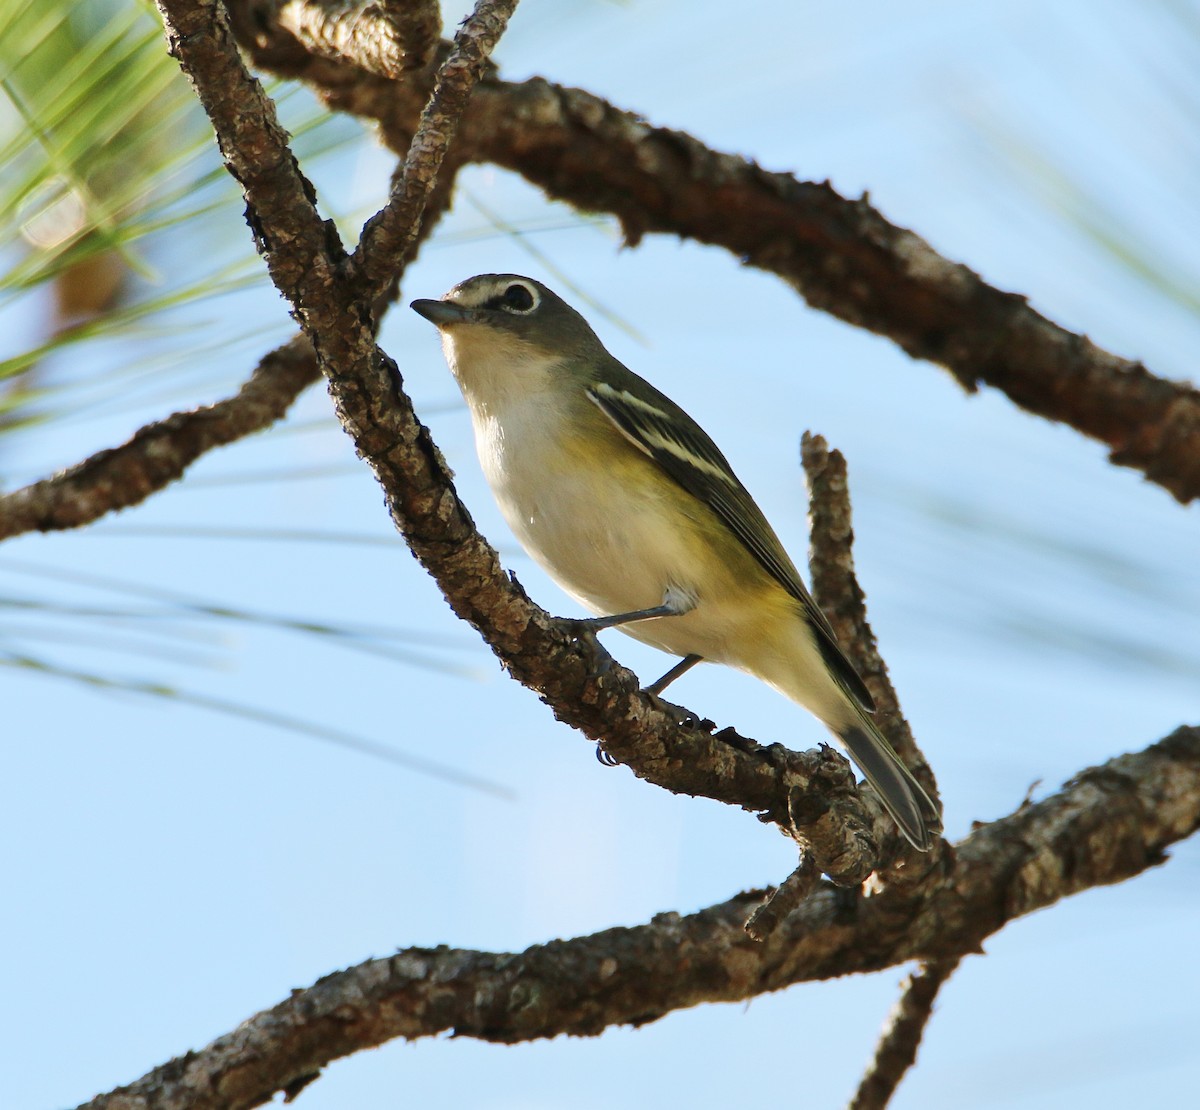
[659, 428]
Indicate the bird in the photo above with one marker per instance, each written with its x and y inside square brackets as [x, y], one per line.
[626, 502]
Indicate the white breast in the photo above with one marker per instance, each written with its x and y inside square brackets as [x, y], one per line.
[575, 515]
[610, 537]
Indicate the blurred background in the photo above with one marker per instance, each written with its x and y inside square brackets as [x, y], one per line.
[245, 741]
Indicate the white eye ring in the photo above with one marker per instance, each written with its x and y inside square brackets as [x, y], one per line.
[512, 300]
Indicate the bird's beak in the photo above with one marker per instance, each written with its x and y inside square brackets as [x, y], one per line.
[440, 313]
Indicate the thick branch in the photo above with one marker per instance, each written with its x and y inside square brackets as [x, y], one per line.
[386, 38]
[1108, 824]
[901, 1037]
[841, 255]
[845, 258]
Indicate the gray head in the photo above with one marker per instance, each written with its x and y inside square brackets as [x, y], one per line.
[510, 315]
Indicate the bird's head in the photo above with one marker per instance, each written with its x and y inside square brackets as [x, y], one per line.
[505, 324]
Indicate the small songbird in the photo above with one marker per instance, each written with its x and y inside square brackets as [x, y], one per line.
[625, 501]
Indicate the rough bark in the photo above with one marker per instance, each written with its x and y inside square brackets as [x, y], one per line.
[1106, 825]
[386, 38]
[159, 453]
[897, 1048]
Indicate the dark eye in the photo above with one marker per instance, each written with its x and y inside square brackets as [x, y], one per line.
[518, 298]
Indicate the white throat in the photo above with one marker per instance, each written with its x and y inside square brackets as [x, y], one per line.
[496, 371]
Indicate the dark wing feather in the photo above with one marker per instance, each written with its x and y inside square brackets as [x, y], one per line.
[663, 431]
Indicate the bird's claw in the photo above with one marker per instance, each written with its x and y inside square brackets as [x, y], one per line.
[682, 716]
[601, 662]
[604, 759]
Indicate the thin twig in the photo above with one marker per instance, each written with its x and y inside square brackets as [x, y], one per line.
[389, 232]
[160, 452]
[902, 1033]
[841, 598]
[826, 823]
[786, 897]
[836, 587]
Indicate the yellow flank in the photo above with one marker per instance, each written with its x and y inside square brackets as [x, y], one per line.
[620, 544]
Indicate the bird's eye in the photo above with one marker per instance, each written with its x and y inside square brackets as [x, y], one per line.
[518, 298]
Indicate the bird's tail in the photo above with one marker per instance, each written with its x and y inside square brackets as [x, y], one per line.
[901, 794]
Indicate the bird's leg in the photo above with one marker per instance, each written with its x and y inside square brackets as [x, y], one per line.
[674, 604]
[683, 716]
[681, 668]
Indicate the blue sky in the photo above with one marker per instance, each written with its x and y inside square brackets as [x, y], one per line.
[169, 871]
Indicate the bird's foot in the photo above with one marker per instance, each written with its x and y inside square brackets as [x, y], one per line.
[584, 633]
[682, 716]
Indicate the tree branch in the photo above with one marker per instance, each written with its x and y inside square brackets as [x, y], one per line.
[1106, 825]
[386, 38]
[841, 598]
[159, 453]
[841, 255]
[784, 899]
[390, 233]
[901, 1037]
[824, 846]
